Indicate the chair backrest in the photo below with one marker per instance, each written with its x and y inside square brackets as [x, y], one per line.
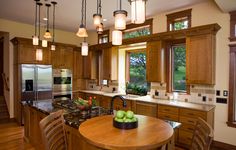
[53, 132]
[202, 137]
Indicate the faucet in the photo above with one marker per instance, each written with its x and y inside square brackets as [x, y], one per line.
[112, 102]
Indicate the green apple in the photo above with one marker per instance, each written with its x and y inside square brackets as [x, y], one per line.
[134, 119]
[120, 120]
[120, 114]
[128, 120]
[129, 114]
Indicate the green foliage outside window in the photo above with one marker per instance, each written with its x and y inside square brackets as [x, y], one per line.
[179, 68]
[136, 33]
[181, 25]
[138, 84]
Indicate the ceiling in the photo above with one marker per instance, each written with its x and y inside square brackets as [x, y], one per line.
[226, 6]
[68, 12]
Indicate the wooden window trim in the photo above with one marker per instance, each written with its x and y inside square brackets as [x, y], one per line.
[232, 87]
[181, 14]
[232, 26]
[147, 22]
[169, 64]
[105, 32]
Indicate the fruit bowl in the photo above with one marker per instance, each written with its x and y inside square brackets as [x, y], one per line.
[125, 125]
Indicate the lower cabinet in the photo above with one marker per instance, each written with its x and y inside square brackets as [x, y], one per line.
[143, 108]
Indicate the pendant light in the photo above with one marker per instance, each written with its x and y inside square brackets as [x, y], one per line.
[120, 18]
[138, 11]
[116, 37]
[39, 52]
[47, 34]
[97, 18]
[100, 28]
[35, 37]
[82, 32]
[53, 46]
[84, 48]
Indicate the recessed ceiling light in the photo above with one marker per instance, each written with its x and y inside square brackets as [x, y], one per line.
[45, 18]
[104, 19]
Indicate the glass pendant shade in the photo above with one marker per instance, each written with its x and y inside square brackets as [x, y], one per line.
[120, 19]
[44, 43]
[35, 40]
[100, 28]
[47, 35]
[39, 54]
[97, 19]
[116, 37]
[82, 32]
[138, 11]
[84, 49]
[53, 47]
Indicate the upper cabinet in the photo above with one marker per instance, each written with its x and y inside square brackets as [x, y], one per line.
[200, 59]
[110, 63]
[78, 65]
[90, 65]
[62, 57]
[26, 52]
[155, 65]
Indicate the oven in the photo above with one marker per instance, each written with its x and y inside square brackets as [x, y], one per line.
[62, 83]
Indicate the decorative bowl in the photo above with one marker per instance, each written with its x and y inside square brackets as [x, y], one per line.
[125, 125]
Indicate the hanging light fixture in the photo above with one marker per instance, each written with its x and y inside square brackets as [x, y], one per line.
[47, 34]
[120, 18]
[100, 28]
[116, 37]
[53, 46]
[39, 54]
[82, 32]
[138, 11]
[97, 18]
[84, 48]
[35, 37]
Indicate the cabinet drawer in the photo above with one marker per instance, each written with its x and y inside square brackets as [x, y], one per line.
[187, 120]
[166, 116]
[146, 109]
[187, 127]
[185, 137]
[192, 113]
[168, 109]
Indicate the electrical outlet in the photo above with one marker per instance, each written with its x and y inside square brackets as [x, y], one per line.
[217, 92]
[156, 93]
[204, 98]
[225, 93]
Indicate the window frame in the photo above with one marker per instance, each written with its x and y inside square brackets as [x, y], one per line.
[232, 87]
[171, 18]
[105, 32]
[169, 64]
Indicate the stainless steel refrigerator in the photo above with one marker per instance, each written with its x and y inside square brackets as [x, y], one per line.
[36, 82]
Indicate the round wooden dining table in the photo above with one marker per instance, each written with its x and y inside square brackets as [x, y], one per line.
[151, 133]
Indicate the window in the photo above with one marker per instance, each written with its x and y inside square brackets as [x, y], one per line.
[233, 26]
[136, 72]
[232, 88]
[179, 68]
[137, 30]
[179, 20]
[104, 37]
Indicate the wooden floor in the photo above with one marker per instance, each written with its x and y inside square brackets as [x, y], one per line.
[11, 138]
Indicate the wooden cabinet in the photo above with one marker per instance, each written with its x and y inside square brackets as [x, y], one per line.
[90, 65]
[62, 57]
[168, 113]
[79, 94]
[110, 63]
[77, 65]
[118, 105]
[26, 52]
[143, 108]
[105, 102]
[200, 59]
[155, 52]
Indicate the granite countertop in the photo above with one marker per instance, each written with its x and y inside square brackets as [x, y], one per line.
[149, 99]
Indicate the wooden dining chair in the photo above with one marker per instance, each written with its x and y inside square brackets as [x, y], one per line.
[53, 131]
[202, 137]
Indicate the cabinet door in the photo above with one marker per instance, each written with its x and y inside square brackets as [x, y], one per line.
[56, 58]
[105, 102]
[90, 65]
[67, 58]
[26, 54]
[77, 68]
[155, 61]
[146, 109]
[46, 57]
[110, 63]
[200, 59]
